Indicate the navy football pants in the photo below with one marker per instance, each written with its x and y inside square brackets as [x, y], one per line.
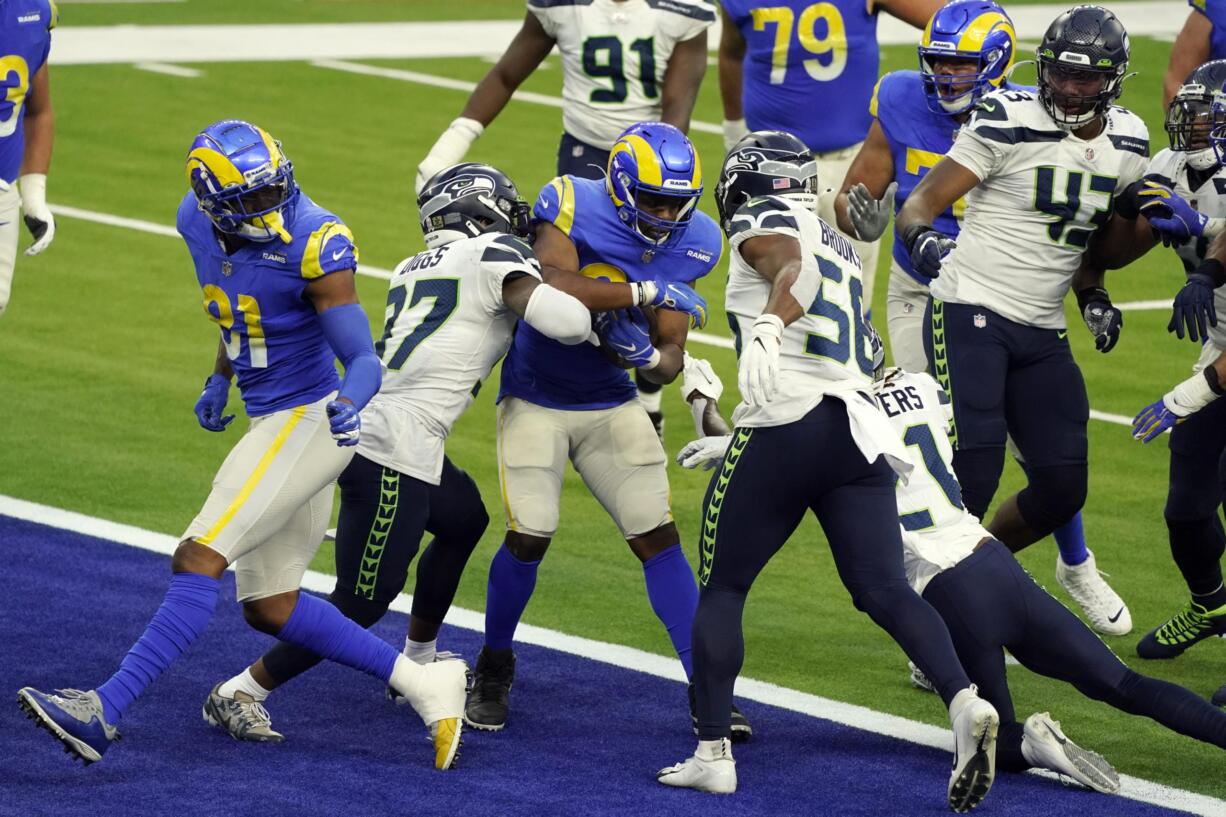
[990, 604]
[769, 479]
[1194, 495]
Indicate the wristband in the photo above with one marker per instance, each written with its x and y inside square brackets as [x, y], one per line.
[1211, 378]
[1089, 295]
[913, 232]
[1214, 269]
[1191, 395]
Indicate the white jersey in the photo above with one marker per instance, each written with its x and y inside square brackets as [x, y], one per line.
[1043, 192]
[614, 55]
[446, 327]
[937, 530]
[1209, 197]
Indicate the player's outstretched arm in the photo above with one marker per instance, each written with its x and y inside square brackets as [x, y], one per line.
[777, 258]
[686, 67]
[915, 12]
[870, 175]
[547, 309]
[335, 299]
[1190, 51]
[939, 189]
[39, 129]
[530, 46]
[731, 63]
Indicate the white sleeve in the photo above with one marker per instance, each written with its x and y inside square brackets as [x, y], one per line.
[690, 20]
[545, 16]
[977, 154]
[764, 216]
[503, 256]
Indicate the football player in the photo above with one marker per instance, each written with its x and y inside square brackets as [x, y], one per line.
[558, 403]
[967, 50]
[27, 128]
[277, 273]
[1043, 171]
[991, 604]
[1191, 168]
[807, 437]
[450, 313]
[1202, 38]
[777, 58]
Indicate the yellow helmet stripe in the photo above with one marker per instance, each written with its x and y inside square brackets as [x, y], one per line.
[983, 25]
[696, 179]
[926, 40]
[278, 158]
[217, 164]
[644, 157]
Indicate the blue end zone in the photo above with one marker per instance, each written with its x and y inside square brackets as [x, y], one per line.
[585, 738]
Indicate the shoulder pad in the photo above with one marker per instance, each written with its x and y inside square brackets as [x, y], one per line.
[556, 204]
[764, 213]
[507, 249]
[1011, 117]
[329, 248]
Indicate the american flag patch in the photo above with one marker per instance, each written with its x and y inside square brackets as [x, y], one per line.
[778, 183]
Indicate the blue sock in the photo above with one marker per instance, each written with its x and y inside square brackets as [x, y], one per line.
[674, 598]
[1071, 539]
[186, 609]
[318, 626]
[510, 586]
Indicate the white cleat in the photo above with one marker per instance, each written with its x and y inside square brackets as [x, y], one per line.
[975, 723]
[1103, 607]
[437, 695]
[716, 774]
[1045, 746]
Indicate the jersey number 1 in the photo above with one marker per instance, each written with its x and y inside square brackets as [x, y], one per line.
[443, 295]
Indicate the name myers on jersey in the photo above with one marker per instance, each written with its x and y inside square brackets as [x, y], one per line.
[896, 401]
[839, 244]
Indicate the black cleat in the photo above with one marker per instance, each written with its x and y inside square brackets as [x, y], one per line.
[741, 730]
[488, 702]
[657, 420]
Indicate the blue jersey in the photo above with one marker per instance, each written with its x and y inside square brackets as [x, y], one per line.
[1215, 10]
[809, 68]
[25, 42]
[543, 371]
[273, 338]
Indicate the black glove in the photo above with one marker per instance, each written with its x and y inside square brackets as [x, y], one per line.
[1102, 319]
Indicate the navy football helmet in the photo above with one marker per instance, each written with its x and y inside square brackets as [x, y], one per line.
[1190, 118]
[469, 199]
[1082, 62]
[765, 163]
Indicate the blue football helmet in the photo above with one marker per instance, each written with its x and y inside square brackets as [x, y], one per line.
[651, 164]
[469, 199]
[242, 180]
[972, 30]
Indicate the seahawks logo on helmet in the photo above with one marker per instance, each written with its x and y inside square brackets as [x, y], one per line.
[765, 163]
[470, 199]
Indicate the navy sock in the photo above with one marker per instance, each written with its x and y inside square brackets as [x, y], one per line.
[673, 594]
[321, 628]
[510, 586]
[186, 609]
[1071, 539]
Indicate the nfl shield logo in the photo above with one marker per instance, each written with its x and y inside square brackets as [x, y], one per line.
[226, 268]
[1090, 154]
[981, 321]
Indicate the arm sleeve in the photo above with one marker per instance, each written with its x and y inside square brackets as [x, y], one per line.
[329, 248]
[348, 333]
[560, 316]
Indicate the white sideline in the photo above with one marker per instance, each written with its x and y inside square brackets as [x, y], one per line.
[858, 717]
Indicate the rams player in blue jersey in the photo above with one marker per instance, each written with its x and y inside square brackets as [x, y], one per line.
[277, 274]
[966, 51]
[561, 403]
[1202, 38]
[27, 128]
[808, 69]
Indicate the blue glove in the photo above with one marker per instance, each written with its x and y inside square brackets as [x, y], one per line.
[679, 298]
[212, 403]
[1193, 309]
[345, 420]
[1169, 214]
[927, 247]
[629, 336]
[1153, 420]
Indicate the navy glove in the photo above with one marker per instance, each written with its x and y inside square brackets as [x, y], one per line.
[1153, 420]
[628, 334]
[927, 247]
[345, 421]
[1168, 213]
[212, 403]
[1193, 310]
[1102, 319]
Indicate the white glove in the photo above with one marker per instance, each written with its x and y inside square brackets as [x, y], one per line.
[699, 379]
[38, 218]
[706, 451]
[734, 129]
[760, 360]
[449, 149]
[869, 216]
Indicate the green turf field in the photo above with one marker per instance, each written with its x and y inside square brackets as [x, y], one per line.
[104, 349]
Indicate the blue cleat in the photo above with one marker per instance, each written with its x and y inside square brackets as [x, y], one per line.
[76, 718]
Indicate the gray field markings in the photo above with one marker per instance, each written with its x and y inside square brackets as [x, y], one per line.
[629, 658]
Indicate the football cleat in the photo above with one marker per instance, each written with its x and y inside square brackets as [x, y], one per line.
[447, 736]
[1103, 608]
[74, 717]
[975, 725]
[657, 421]
[716, 775]
[1045, 746]
[242, 716]
[741, 730]
[489, 702]
[1191, 624]
[442, 655]
[918, 679]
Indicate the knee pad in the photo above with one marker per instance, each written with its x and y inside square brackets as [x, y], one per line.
[978, 471]
[1054, 496]
[364, 611]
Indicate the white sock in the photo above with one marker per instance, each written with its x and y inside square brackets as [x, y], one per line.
[960, 700]
[651, 402]
[422, 652]
[714, 749]
[244, 682]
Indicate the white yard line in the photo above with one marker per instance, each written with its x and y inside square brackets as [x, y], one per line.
[629, 658]
[169, 69]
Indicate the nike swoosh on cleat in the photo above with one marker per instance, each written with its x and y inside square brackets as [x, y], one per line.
[1117, 615]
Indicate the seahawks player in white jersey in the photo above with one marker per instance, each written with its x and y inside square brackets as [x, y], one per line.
[808, 436]
[451, 311]
[1040, 171]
